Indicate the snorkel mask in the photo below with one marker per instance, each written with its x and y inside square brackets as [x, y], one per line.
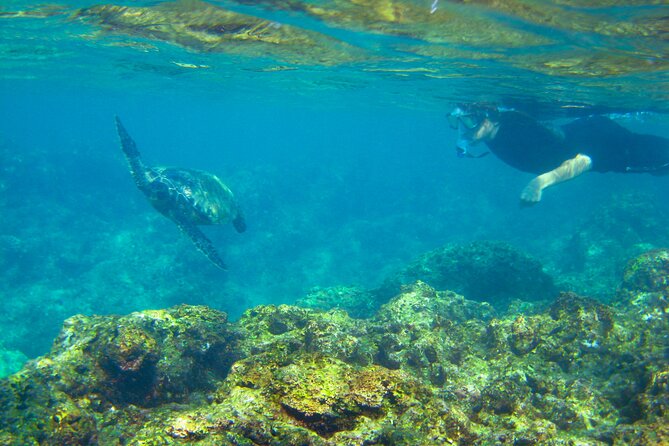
[460, 118]
[467, 119]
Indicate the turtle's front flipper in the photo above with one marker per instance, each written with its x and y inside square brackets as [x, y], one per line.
[132, 155]
[202, 243]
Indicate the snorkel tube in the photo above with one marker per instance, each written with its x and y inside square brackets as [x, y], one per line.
[462, 147]
[467, 123]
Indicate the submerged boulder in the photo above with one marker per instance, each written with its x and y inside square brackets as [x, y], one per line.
[101, 363]
[648, 272]
[645, 284]
[488, 271]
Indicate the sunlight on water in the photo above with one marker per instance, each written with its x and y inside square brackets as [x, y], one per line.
[557, 56]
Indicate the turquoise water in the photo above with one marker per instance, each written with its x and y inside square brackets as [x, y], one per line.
[338, 149]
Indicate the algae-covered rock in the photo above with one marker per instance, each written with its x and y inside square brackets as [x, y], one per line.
[648, 273]
[491, 271]
[424, 330]
[584, 316]
[431, 367]
[356, 302]
[280, 332]
[645, 286]
[100, 363]
[328, 395]
[655, 400]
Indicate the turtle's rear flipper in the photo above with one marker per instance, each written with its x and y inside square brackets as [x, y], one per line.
[202, 243]
[127, 143]
[132, 155]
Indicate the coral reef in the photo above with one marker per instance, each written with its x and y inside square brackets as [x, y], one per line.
[484, 270]
[489, 271]
[429, 368]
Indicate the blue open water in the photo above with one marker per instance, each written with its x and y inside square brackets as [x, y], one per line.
[344, 165]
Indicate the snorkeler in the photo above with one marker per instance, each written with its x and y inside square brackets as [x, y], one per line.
[594, 143]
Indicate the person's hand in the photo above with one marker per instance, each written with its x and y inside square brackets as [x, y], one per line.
[532, 193]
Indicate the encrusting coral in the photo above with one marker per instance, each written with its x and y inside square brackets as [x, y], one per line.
[431, 367]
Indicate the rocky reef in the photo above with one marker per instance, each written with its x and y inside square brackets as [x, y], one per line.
[430, 367]
[489, 271]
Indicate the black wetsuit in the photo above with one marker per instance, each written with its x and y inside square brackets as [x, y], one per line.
[525, 144]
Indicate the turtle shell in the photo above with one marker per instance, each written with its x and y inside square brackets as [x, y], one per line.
[190, 195]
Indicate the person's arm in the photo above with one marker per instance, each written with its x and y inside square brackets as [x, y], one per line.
[567, 170]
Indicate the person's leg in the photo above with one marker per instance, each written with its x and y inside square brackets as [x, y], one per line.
[569, 169]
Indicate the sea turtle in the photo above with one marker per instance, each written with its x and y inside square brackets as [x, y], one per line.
[188, 197]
